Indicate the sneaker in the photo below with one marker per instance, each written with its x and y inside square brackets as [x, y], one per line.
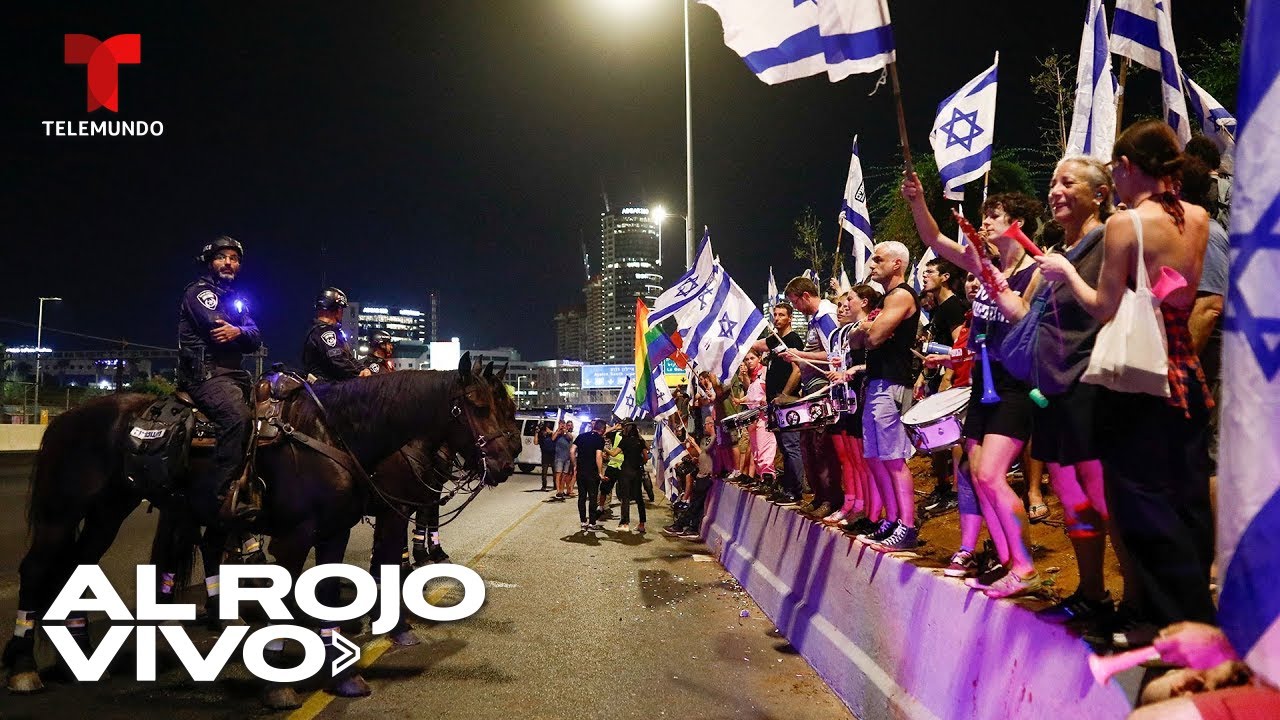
[904, 537]
[1011, 585]
[584, 526]
[863, 525]
[672, 531]
[883, 530]
[1078, 609]
[834, 518]
[595, 527]
[933, 500]
[986, 578]
[690, 534]
[640, 529]
[962, 565]
[785, 500]
[822, 510]
[624, 527]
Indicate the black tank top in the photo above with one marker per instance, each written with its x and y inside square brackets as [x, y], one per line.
[892, 360]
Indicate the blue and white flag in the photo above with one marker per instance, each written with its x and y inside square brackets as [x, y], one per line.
[963, 131]
[1093, 124]
[856, 36]
[917, 275]
[720, 336]
[668, 453]
[854, 216]
[782, 40]
[845, 285]
[1215, 122]
[624, 408]
[1143, 30]
[1134, 33]
[685, 290]
[779, 40]
[1248, 507]
[773, 287]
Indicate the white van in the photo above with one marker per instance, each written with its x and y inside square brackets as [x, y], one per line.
[530, 458]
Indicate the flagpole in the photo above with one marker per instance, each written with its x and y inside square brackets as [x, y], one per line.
[688, 143]
[902, 120]
[835, 262]
[1124, 75]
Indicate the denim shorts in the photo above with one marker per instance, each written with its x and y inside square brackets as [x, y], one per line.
[883, 435]
[563, 466]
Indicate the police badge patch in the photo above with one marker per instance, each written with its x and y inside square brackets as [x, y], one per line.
[330, 338]
[208, 298]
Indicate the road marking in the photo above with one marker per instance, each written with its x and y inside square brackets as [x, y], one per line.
[374, 649]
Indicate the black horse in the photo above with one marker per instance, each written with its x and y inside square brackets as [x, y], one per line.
[80, 496]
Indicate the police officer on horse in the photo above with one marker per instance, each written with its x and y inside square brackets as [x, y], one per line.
[381, 348]
[215, 331]
[325, 353]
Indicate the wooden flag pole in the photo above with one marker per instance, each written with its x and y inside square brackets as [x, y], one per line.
[836, 261]
[902, 120]
[1124, 75]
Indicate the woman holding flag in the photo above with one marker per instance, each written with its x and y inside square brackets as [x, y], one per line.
[998, 423]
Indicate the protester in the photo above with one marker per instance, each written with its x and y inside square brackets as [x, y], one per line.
[635, 452]
[945, 318]
[852, 310]
[588, 459]
[563, 440]
[994, 431]
[1155, 449]
[763, 445]
[782, 379]
[547, 444]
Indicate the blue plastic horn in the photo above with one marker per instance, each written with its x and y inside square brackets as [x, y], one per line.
[989, 394]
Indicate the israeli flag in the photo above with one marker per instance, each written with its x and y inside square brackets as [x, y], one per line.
[1248, 532]
[854, 216]
[721, 335]
[773, 287]
[669, 453]
[917, 275]
[1093, 124]
[856, 36]
[779, 40]
[1144, 32]
[963, 131]
[845, 285]
[624, 408]
[1135, 34]
[1215, 122]
[686, 289]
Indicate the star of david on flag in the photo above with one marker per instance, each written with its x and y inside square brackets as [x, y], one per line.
[1093, 122]
[624, 408]
[1248, 523]
[688, 286]
[963, 131]
[716, 339]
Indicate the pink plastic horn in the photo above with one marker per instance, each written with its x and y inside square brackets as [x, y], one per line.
[1104, 666]
[1168, 281]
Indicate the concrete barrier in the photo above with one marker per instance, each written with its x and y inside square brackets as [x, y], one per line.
[894, 640]
[21, 438]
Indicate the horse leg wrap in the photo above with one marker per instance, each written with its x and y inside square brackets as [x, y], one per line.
[25, 624]
[211, 586]
[166, 585]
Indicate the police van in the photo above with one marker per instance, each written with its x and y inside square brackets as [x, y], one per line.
[530, 457]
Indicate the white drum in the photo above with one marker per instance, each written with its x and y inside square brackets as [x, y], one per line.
[937, 422]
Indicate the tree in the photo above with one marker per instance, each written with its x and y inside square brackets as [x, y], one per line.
[1216, 68]
[154, 385]
[808, 245]
[1054, 86]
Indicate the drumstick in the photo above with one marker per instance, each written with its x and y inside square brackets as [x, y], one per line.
[803, 360]
[917, 353]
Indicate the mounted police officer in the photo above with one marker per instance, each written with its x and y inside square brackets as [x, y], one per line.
[381, 348]
[214, 333]
[326, 354]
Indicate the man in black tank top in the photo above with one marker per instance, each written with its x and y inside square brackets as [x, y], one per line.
[888, 339]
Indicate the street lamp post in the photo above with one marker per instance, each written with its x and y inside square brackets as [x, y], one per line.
[660, 214]
[688, 143]
[40, 350]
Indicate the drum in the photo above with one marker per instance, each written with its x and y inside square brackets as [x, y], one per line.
[937, 422]
[737, 423]
[808, 413]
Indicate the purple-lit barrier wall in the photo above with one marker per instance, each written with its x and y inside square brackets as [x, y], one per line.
[897, 641]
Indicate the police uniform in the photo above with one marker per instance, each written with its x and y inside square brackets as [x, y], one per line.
[210, 372]
[326, 354]
[377, 365]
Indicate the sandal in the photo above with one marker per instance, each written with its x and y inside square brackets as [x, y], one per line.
[1037, 513]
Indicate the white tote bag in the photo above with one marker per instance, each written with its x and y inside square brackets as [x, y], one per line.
[1131, 353]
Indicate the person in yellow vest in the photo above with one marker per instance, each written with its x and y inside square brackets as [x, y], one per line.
[612, 467]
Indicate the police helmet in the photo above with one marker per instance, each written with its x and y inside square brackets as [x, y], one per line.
[380, 337]
[331, 299]
[223, 242]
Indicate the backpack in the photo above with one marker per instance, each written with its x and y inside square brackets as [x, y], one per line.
[159, 447]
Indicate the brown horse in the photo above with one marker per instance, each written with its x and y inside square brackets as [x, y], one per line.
[80, 496]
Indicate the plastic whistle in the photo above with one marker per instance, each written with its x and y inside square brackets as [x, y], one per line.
[1015, 233]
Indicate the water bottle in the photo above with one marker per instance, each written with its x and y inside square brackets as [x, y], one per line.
[935, 348]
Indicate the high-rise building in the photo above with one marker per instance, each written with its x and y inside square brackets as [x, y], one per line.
[593, 295]
[409, 327]
[630, 269]
[571, 333]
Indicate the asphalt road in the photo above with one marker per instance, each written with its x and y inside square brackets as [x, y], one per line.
[610, 625]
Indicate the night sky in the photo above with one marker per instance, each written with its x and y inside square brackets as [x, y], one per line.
[397, 148]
